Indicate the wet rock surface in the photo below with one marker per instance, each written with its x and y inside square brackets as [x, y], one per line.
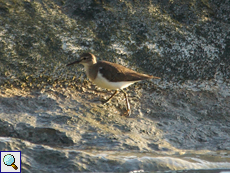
[52, 114]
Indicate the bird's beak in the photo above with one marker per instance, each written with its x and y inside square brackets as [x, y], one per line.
[75, 62]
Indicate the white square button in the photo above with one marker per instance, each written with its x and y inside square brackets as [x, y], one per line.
[10, 161]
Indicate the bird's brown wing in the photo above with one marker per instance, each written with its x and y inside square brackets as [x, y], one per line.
[117, 73]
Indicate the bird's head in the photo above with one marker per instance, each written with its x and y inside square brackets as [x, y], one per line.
[86, 59]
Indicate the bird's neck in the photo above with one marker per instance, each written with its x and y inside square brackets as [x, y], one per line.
[91, 74]
[87, 70]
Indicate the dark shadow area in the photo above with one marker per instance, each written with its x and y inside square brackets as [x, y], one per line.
[95, 11]
[36, 135]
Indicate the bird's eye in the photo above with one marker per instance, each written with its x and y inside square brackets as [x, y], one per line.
[84, 58]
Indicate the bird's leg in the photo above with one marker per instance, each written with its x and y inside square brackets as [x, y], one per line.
[105, 101]
[128, 112]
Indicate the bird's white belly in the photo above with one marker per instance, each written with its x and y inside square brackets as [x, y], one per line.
[104, 83]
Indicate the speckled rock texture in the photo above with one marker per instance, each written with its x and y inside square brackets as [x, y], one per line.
[52, 113]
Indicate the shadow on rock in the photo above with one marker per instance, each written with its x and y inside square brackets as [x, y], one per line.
[37, 135]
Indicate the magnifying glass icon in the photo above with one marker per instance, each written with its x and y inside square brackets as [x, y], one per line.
[9, 160]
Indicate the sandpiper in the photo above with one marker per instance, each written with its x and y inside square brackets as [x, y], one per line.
[110, 76]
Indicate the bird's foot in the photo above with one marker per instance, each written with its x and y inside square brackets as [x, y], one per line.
[103, 101]
[127, 113]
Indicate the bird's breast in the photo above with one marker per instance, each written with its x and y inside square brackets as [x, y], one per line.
[105, 83]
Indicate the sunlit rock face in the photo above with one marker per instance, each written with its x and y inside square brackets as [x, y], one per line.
[51, 112]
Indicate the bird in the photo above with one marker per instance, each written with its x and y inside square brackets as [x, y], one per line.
[110, 76]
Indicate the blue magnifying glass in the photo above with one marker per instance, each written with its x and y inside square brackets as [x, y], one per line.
[9, 160]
